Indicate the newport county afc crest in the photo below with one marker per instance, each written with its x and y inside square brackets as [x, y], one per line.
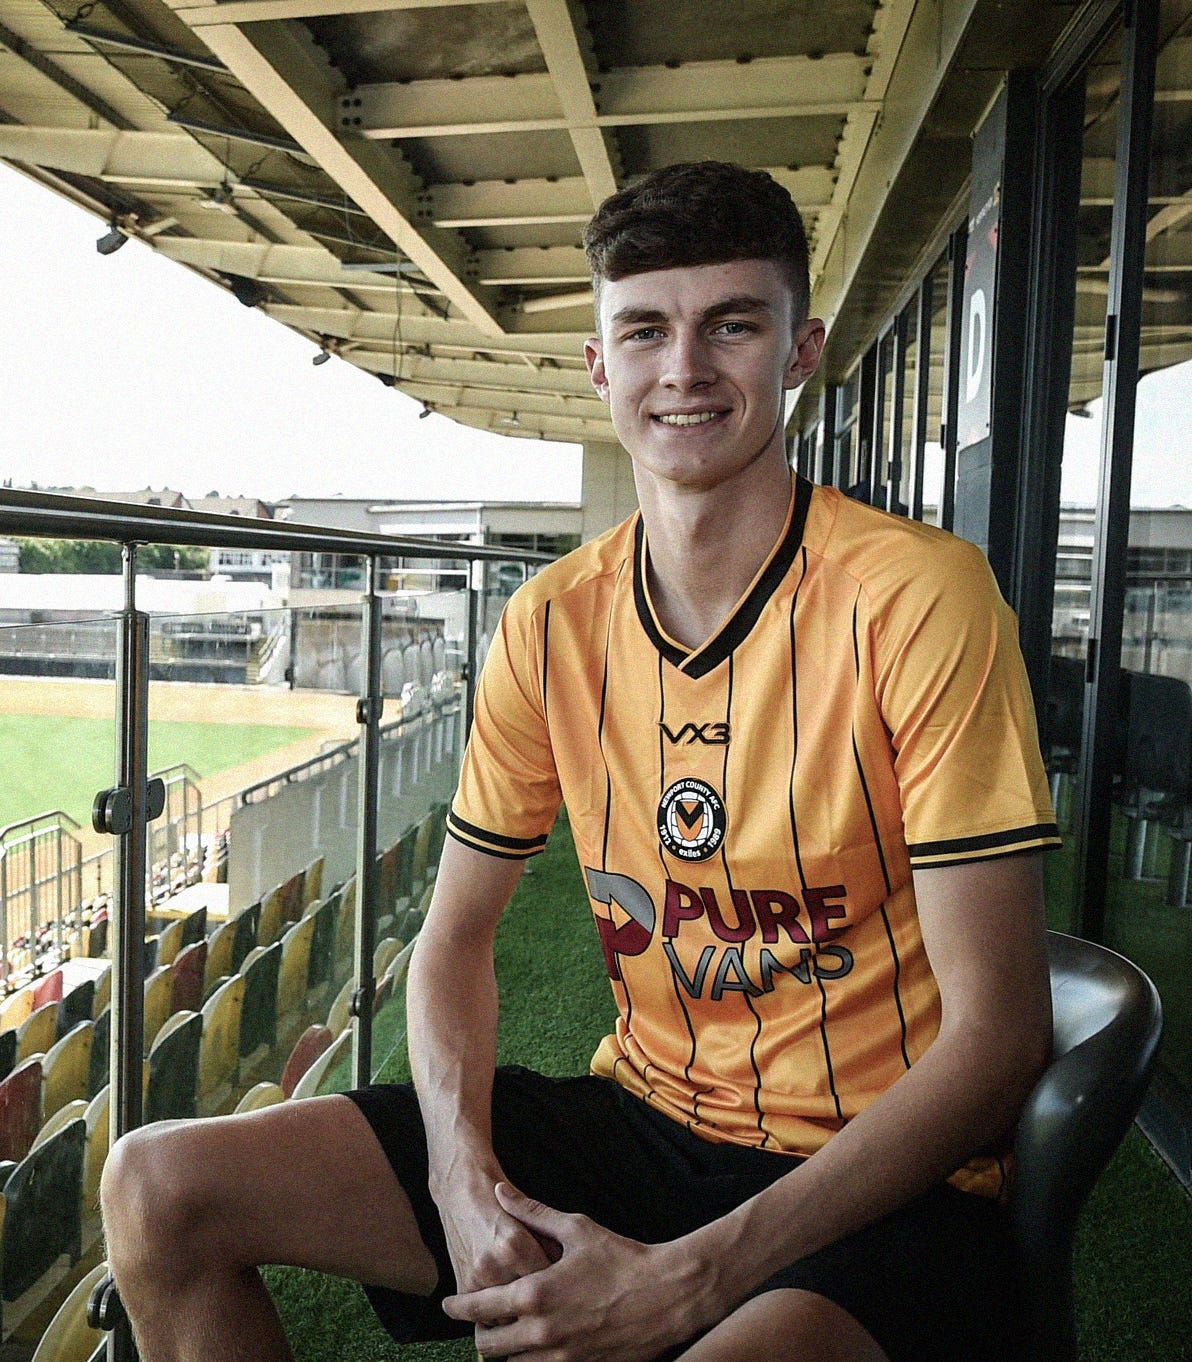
[691, 820]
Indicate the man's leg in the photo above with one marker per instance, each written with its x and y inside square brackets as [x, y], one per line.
[787, 1326]
[193, 1208]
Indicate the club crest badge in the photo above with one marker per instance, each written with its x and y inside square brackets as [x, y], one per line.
[691, 820]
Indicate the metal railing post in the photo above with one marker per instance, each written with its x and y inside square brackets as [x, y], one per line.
[128, 921]
[368, 714]
[471, 671]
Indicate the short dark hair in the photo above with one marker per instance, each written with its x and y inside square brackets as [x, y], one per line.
[699, 213]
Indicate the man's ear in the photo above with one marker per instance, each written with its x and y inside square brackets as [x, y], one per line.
[594, 355]
[805, 353]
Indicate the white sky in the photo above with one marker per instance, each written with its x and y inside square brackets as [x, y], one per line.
[126, 371]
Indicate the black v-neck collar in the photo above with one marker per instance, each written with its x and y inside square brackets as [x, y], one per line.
[735, 629]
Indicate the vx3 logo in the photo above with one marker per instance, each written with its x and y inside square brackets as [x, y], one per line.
[711, 735]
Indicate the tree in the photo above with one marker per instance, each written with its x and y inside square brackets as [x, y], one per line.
[98, 556]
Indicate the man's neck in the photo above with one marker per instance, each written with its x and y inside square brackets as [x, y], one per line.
[706, 547]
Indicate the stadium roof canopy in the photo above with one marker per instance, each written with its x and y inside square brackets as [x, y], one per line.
[405, 181]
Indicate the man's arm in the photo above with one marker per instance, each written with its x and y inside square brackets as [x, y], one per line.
[983, 928]
[452, 1006]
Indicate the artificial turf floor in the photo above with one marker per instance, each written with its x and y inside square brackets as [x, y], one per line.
[1133, 1285]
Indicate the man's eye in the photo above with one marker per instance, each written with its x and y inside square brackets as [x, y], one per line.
[644, 333]
[734, 328]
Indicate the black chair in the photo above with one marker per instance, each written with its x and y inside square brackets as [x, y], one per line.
[1105, 1034]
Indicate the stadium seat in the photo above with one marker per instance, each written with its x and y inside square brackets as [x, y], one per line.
[272, 914]
[292, 897]
[66, 1069]
[312, 1081]
[149, 956]
[384, 955]
[400, 965]
[16, 1008]
[245, 936]
[340, 1016]
[190, 965]
[69, 1338]
[387, 881]
[405, 866]
[38, 1031]
[194, 927]
[103, 991]
[47, 989]
[72, 1111]
[169, 942]
[307, 1048]
[20, 1109]
[1105, 1034]
[78, 1004]
[172, 1090]
[295, 968]
[345, 932]
[100, 1052]
[312, 883]
[8, 1052]
[42, 1219]
[322, 946]
[159, 1002]
[260, 1095]
[219, 1049]
[218, 964]
[418, 871]
[258, 1017]
[98, 1138]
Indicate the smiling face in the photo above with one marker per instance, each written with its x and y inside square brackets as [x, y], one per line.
[694, 361]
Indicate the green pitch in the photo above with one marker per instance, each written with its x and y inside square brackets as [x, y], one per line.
[56, 763]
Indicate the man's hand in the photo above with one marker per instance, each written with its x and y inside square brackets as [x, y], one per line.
[604, 1297]
[488, 1246]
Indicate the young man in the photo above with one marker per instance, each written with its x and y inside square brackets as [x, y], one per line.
[798, 752]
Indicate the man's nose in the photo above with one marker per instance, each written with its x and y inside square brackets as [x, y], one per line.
[688, 363]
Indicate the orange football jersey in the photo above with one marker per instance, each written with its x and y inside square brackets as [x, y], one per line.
[747, 815]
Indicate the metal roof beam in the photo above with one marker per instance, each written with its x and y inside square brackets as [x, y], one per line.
[163, 158]
[560, 42]
[65, 82]
[262, 11]
[533, 265]
[275, 65]
[499, 203]
[699, 92]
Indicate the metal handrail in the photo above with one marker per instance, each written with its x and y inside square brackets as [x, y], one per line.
[51, 515]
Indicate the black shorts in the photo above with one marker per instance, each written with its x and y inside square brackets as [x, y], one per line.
[932, 1282]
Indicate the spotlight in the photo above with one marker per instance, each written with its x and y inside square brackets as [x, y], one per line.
[322, 357]
[246, 291]
[111, 241]
[427, 410]
[219, 199]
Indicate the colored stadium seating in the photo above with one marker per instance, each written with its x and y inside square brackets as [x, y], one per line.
[69, 1338]
[261, 1095]
[219, 955]
[258, 1017]
[47, 989]
[312, 1081]
[159, 1002]
[72, 1111]
[419, 869]
[174, 1069]
[219, 1049]
[78, 1004]
[308, 1047]
[384, 955]
[98, 1137]
[38, 1031]
[295, 968]
[100, 1052]
[16, 1007]
[169, 942]
[322, 946]
[20, 1109]
[194, 927]
[103, 991]
[42, 1219]
[345, 932]
[66, 1069]
[245, 937]
[272, 913]
[8, 1052]
[339, 1017]
[312, 883]
[190, 966]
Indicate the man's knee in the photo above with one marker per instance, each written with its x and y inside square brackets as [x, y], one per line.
[153, 1199]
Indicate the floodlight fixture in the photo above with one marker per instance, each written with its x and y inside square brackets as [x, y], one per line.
[322, 357]
[111, 241]
[219, 199]
[427, 410]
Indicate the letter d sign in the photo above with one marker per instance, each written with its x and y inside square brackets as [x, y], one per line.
[976, 345]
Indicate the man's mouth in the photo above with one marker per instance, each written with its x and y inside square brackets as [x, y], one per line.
[694, 418]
